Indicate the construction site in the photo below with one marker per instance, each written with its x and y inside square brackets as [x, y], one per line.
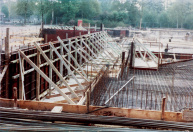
[62, 78]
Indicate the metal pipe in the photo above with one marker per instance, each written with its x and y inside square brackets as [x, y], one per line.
[119, 90]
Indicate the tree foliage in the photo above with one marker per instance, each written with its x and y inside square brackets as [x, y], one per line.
[5, 10]
[147, 13]
[25, 8]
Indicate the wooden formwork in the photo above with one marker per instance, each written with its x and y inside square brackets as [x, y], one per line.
[92, 44]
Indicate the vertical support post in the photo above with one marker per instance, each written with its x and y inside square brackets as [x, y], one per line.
[101, 27]
[62, 53]
[46, 38]
[50, 71]
[163, 107]
[42, 25]
[95, 27]
[21, 81]
[15, 96]
[89, 28]
[123, 57]
[123, 62]
[76, 54]
[81, 45]
[131, 60]
[0, 60]
[1, 45]
[69, 59]
[88, 100]
[7, 57]
[74, 31]
[38, 77]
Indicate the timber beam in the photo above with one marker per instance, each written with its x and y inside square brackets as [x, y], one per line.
[96, 110]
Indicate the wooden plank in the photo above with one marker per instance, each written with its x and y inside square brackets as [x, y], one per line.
[26, 38]
[57, 109]
[65, 101]
[46, 78]
[68, 93]
[3, 73]
[74, 85]
[74, 59]
[66, 66]
[111, 111]
[54, 68]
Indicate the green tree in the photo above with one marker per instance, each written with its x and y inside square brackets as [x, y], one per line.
[133, 12]
[179, 11]
[89, 9]
[164, 19]
[149, 18]
[41, 8]
[5, 10]
[25, 8]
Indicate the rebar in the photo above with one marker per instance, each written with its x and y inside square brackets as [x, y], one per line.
[149, 87]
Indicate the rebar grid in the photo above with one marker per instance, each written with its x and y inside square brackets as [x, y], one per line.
[173, 81]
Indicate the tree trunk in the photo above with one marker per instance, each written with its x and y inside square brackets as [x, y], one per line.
[177, 23]
[140, 23]
[52, 16]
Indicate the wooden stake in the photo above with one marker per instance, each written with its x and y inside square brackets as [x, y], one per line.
[88, 101]
[7, 57]
[163, 107]
[38, 77]
[15, 96]
[46, 38]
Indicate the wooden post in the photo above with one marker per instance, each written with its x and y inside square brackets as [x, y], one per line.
[0, 60]
[123, 62]
[50, 71]
[95, 27]
[42, 25]
[76, 55]
[15, 96]
[74, 31]
[21, 91]
[46, 38]
[69, 58]
[89, 28]
[61, 65]
[7, 57]
[88, 100]
[46, 78]
[38, 77]
[123, 57]
[163, 107]
[81, 45]
[101, 27]
[131, 59]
